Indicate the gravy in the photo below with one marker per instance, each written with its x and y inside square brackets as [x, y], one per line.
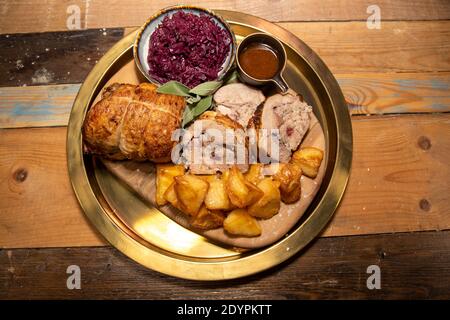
[259, 61]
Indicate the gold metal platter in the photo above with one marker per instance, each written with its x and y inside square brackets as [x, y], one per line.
[149, 237]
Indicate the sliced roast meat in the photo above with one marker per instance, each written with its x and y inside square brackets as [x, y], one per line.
[214, 143]
[238, 101]
[291, 116]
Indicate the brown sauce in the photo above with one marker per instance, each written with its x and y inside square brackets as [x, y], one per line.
[259, 61]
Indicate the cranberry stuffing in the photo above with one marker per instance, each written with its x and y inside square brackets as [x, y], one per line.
[289, 131]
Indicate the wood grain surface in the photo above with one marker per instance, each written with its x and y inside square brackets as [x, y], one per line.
[399, 182]
[384, 93]
[52, 57]
[399, 46]
[372, 93]
[399, 176]
[67, 57]
[413, 266]
[54, 14]
[36, 106]
[33, 59]
[38, 207]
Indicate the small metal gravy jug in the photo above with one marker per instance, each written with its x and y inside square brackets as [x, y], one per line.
[278, 49]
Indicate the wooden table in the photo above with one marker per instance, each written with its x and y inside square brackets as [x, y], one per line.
[395, 213]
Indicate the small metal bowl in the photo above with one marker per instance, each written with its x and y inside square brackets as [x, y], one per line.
[277, 47]
[142, 40]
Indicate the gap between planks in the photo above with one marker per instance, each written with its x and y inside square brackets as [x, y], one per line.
[399, 183]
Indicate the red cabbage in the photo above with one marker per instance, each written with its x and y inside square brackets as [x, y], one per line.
[187, 48]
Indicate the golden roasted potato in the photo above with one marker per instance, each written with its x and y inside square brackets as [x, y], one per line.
[225, 175]
[165, 174]
[269, 204]
[208, 219]
[217, 196]
[241, 192]
[253, 174]
[171, 196]
[191, 191]
[293, 196]
[208, 177]
[309, 159]
[240, 223]
[289, 176]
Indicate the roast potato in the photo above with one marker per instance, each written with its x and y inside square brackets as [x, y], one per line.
[165, 174]
[309, 159]
[207, 177]
[241, 192]
[225, 175]
[191, 191]
[207, 219]
[217, 196]
[240, 223]
[269, 204]
[254, 175]
[289, 175]
[171, 196]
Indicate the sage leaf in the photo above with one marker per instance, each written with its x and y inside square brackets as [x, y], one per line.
[175, 88]
[206, 88]
[193, 111]
[188, 116]
[203, 105]
[231, 78]
[193, 99]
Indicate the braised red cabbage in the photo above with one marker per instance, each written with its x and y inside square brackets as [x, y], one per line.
[187, 48]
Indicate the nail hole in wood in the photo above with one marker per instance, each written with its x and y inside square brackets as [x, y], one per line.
[20, 175]
[424, 143]
[424, 205]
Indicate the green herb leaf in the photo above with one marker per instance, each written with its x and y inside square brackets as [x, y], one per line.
[231, 78]
[206, 88]
[175, 88]
[188, 115]
[193, 99]
[203, 105]
[193, 111]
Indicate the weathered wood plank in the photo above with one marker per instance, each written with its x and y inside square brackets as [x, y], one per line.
[413, 266]
[384, 93]
[54, 15]
[67, 57]
[399, 46]
[34, 177]
[399, 182]
[53, 57]
[400, 176]
[373, 93]
[36, 106]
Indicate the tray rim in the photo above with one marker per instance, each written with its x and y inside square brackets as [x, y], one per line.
[202, 269]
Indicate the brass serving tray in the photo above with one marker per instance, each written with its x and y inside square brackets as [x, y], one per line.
[148, 236]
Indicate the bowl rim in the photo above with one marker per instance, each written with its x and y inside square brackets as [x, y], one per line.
[141, 30]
